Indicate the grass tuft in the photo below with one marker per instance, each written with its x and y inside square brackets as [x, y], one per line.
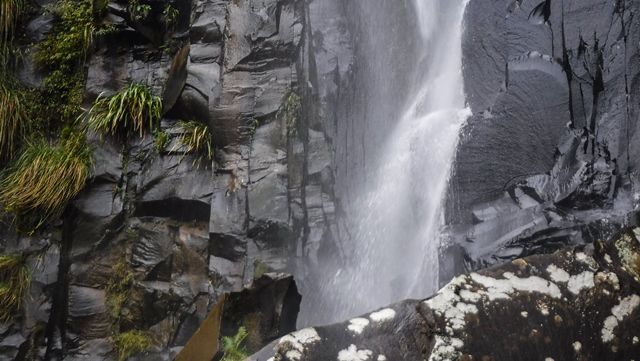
[46, 177]
[10, 11]
[13, 119]
[15, 280]
[196, 138]
[130, 343]
[233, 346]
[133, 108]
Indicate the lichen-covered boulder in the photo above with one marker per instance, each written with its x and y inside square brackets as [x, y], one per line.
[576, 304]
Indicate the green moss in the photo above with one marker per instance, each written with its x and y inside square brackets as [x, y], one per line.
[260, 268]
[62, 55]
[130, 343]
[45, 177]
[118, 289]
[132, 109]
[15, 280]
[628, 248]
[233, 346]
[290, 110]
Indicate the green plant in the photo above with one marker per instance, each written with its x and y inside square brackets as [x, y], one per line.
[10, 11]
[13, 119]
[15, 280]
[45, 177]
[105, 30]
[133, 108]
[290, 110]
[169, 15]
[130, 343]
[233, 348]
[118, 288]
[139, 11]
[196, 138]
[160, 139]
[62, 54]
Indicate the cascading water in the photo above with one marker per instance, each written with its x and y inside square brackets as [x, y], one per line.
[395, 219]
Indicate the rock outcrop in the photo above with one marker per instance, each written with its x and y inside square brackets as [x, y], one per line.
[158, 236]
[548, 158]
[579, 303]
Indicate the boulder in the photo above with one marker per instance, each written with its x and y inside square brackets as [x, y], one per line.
[579, 303]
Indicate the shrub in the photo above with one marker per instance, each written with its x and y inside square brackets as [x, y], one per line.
[13, 119]
[15, 280]
[233, 348]
[130, 343]
[46, 177]
[196, 138]
[133, 108]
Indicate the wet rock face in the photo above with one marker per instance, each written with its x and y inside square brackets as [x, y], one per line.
[548, 153]
[157, 236]
[268, 309]
[576, 304]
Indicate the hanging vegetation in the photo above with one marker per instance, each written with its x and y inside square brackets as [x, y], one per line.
[132, 109]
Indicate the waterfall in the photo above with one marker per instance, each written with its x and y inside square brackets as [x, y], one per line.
[396, 217]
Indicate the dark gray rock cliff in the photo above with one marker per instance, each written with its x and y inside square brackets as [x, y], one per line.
[549, 157]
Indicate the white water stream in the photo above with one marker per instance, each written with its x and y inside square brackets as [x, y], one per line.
[396, 218]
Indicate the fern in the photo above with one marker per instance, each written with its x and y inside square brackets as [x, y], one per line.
[233, 348]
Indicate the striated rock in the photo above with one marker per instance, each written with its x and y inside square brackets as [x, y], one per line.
[576, 304]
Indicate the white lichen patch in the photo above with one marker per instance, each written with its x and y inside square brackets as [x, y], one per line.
[445, 349]
[524, 314]
[618, 313]
[577, 346]
[383, 315]
[448, 303]
[469, 296]
[293, 344]
[504, 288]
[352, 353]
[608, 259]
[357, 325]
[382, 358]
[548, 359]
[635, 340]
[588, 260]
[558, 274]
[608, 277]
[580, 282]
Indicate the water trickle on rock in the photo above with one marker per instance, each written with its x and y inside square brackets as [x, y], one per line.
[396, 217]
